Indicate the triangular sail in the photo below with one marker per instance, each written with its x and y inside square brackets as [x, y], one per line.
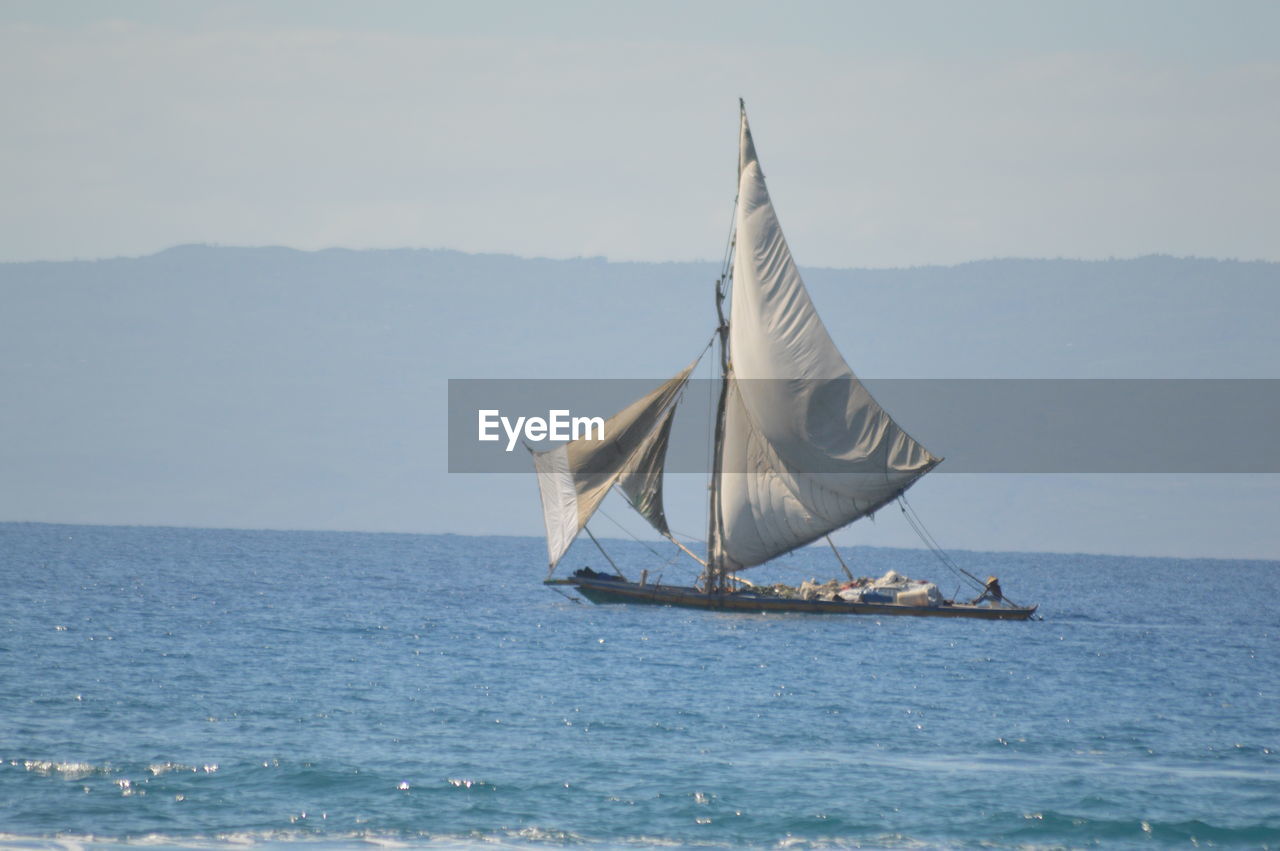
[576, 476]
[643, 486]
[806, 449]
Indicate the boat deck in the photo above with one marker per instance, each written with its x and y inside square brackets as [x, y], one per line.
[607, 591]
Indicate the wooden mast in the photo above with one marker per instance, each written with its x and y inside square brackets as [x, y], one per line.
[715, 574]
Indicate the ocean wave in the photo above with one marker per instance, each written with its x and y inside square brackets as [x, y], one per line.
[1108, 830]
[1086, 831]
[62, 770]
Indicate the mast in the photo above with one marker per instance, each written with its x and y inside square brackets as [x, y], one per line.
[715, 573]
[715, 561]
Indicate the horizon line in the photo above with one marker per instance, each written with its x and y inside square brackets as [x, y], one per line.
[539, 538]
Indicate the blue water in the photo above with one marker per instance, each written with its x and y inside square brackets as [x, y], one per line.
[221, 688]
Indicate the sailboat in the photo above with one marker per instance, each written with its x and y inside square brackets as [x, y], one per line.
[800, 447]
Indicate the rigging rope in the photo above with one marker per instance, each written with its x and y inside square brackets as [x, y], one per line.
[628, 531]
[918, 525]
[639, 540]
[603, 553]
[840, 559]
[566, 596]
[728, 247]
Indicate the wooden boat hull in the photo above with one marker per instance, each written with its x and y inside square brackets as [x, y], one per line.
[608, 591]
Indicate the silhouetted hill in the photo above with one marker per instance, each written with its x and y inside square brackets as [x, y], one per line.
[271, 387]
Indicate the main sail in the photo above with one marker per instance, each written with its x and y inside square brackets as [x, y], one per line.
[805, 448]
[576, 476]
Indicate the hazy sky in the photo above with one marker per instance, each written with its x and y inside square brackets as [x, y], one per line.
[892, 134]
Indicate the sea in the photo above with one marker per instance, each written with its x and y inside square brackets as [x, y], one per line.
[188, 688]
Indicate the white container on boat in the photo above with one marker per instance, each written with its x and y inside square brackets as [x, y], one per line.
[914, 597]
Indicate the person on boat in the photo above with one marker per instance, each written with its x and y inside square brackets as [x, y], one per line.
[992, 592]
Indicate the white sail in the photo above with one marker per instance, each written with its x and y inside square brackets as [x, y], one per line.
[806, 449]
[576, 476]
[643, 485]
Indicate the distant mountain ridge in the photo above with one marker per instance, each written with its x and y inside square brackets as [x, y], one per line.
[985, 318]
[252, 387]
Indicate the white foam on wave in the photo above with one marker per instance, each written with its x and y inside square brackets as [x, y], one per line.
[64, 770]
[521, 839]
